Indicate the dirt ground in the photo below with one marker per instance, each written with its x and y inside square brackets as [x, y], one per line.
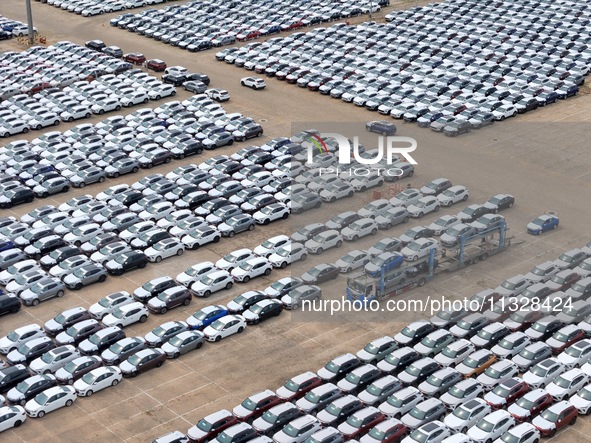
[541, 158]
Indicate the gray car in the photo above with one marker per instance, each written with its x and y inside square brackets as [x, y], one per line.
[51, 186]
[119, 351]
[10, 257]
[183, 343]
[392, 217]
[87, 274]
[304, 201]
[87, 177]
[121, 167]
[297, 295]
[238, 223]
[43, 290]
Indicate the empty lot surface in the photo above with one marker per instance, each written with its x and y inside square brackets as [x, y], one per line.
[543, 159]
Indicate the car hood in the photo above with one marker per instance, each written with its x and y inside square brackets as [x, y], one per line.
[241, 412]
[324, 373]
[518, 411]
[533, 227]
[249, 315]
[542, 423]
[126, 367]
[156, 303]
[233, 306]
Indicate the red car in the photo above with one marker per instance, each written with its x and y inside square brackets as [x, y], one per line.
[135, 57]
[36, 88]
[298, 386]
[506, 393]
[156, 65]
[208, 428]
[555, 418]
[360, 422]
[565, 337]
[250, 35]
[254, 406]
[388, 431]
[522, 319]
[530, 405]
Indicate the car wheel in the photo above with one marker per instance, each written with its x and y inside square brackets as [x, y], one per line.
[40, 414]
[78, 286]
[339, 244]
[158, 97]
[415, 258]
[355, 238]
[420, 215]
[332, 200]
[303, 257]
[240, 329]
[163, 310]
[231, 234]
[82, 185]
[374, 231]
[69, 403]
[405, 219]
[267, 271]
[319, 251]
[158, 259]
[59, 294]
[101, 111]
[229, 285]
[206, 294]
[143, 319]
[464, 430]
[437, 208]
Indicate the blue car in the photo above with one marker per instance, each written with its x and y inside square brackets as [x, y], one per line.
[206, 316]
[542, 224]
[386, 261]
[6, 245]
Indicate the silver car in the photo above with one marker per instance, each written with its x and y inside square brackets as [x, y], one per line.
[86, 275]
[55, 359]
[121, 167]
[43, 290]
[183, 343]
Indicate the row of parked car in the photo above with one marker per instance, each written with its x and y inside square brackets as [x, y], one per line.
[12, 28]
[118, 145]
[450, 379]
[451, 66]
[88, 8]
[41, 87]
[197, 26]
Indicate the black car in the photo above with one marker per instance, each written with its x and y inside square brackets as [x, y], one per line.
[44, 246]
[58, 255]
[174, 79]
[343, 408]
[526, 105]
[9, 304]
[245, 301]
[129, 197]
[381, 127]
[16, 196]
[249, 131]
[153, 288]
[127, 261]
[5, 35]
[186, 149]
[95, 45]
[98, 242]
[482, 119]
[418, 371]
[201, 46]
[197, 76]
[156, 158]
[321, 273]
[30, 387]
[113, 51]
[12, 376]
[31, 350]
[194, 200]
[457, 127]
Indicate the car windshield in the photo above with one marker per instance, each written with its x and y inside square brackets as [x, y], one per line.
[355, 421]
[585, 394]
[562, 382]
[508, 437]
[413, 370]
[207, 280]
[501, 391]
[377, 434]
[284, 252]
[134, 360]
[573, 351]
[539, 370]
[217, 325]
[176, 341]
[409, 332]
[419, 436]
[538, 222]
[70, 367]
[486, 426]
[506, 344]
[462, 413]
[290, 430]
[549, 415]
[41, 398]
[560, 336]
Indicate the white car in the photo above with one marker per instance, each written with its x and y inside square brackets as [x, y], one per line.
[567, 384]
[50, 400]
[272, 212]
[288, 254]
[109, 252]
[423, 206]
[336, 191]
[323, 241]
[234, 259]
[522, 433]
[106, 105]
[12, 272]
[271, 245]
[97, 380]
[168, 247]
[455, 352]
[14, 127]
[54, 359]
[220, 95]
[11, 417]
[467, 415]
[75, 113]
[251, 268]
[504, 111]
[200, 236]
[353, 260]
[453, 195]
[212, 282]
[359, 228]
[576, 355]
[253, 82]
[419, 248]
[44, 120]
[444, 222]
[195, 273]
[162, 91]
[20, 336]
[110, 303]
[224, 327]
[127, 315]
[581, 400]
[135, 98]
[491, 426]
